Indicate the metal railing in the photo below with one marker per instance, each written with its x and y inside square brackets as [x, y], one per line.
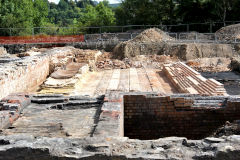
[176, 37]
[205, 37]
[207, 27]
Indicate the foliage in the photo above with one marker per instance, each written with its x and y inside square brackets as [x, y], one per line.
[64, 13]
[15, 14]
[95, 16]
[176, 11]
[145, 12]
[26, 14]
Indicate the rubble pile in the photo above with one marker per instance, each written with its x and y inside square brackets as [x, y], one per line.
[210, 64]
[2, 51]
[112, 64]
[142, 43]
[231, 32]
[84, 56]
[105, 61]
[228, 129]
[151, 35]
[154, 41]
[235, 64]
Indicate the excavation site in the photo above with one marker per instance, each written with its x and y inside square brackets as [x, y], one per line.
[150, 97]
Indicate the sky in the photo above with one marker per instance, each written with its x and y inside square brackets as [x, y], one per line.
[110, 1]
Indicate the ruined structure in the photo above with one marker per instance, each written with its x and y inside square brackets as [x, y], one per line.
[68, 103]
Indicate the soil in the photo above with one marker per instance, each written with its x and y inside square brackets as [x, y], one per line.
[155, 41]
[210, 64]
[229, 32]
[134, 47]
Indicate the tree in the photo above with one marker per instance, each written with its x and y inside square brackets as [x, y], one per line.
[145, 12]
[193, 11]
[64, 13]
[101, 15]
[84, 3]
[221, 8]
[17, 14]
[105, 15]
[40, 12]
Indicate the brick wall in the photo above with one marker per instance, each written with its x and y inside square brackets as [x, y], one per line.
[155, 117]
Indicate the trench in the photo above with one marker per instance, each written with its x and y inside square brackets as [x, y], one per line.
[148, 118]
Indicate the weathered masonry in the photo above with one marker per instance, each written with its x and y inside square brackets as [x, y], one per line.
[195, 117]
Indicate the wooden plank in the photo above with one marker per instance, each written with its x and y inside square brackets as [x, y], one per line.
[124, 81]
[134, 82]
[88, 84]
[113, 85]
[104, 82]
[154, 82]
[143, 80]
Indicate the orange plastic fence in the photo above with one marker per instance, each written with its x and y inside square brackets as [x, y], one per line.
[41, 39]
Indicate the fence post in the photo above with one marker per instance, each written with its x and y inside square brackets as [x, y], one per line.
[188, 27]
[211, 25]
[196, 37]
[10, 31]
[33, 31]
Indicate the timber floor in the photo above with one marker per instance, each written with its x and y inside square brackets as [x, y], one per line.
[124, 80]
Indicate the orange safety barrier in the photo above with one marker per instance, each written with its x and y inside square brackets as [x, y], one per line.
[41, 39]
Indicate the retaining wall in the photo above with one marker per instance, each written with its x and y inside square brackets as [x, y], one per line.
[195, 118]
[27, 74]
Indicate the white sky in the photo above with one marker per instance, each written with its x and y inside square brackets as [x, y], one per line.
[110, 1]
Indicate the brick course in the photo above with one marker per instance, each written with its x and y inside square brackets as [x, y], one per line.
[192, 117]
[187, 80]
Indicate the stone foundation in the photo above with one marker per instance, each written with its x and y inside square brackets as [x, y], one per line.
[26, 74]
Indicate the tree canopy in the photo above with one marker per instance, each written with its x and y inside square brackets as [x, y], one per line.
[81, 13]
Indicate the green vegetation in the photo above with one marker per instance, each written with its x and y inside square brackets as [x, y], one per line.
[26, 17]
[176, 11]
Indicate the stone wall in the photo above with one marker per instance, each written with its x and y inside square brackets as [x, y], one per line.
[23, 78]
[102, 45]
[26, 74]
[194, 117]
